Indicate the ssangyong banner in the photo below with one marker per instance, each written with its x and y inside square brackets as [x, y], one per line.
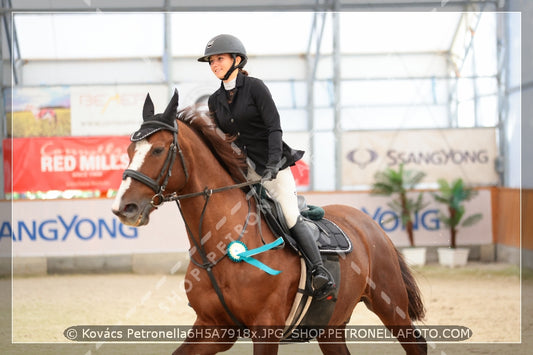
[87, 226]
[65, 163]
[441, 153]
[428, 228]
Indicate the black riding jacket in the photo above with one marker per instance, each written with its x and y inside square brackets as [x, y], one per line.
[253, 118]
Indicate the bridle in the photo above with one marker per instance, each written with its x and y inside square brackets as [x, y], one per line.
[166, 172]
[159, 184]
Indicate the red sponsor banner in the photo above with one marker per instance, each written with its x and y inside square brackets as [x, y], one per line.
[76, 163]
[65, 163]
[300, 171]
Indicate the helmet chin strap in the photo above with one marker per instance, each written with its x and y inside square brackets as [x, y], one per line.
[231, 70]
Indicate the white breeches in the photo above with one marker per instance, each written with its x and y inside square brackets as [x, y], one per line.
[283, 189]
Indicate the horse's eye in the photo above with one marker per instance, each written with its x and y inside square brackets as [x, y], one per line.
[158, 151]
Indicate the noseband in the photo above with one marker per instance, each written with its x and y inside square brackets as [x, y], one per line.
[160, 184]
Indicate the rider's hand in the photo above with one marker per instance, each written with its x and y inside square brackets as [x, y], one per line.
[270, 172]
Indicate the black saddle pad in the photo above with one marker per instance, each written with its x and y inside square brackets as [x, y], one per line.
[331, 240]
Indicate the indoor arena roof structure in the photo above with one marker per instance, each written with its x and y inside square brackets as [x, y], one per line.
[366, 28]
[431, 44]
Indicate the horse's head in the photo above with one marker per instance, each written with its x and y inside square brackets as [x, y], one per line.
[154, 159]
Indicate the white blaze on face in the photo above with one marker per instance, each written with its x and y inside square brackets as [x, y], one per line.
[141, 149]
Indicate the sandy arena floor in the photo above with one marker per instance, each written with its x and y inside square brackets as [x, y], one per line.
[483, 297]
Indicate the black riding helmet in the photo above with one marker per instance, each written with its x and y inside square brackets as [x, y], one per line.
[222, 44]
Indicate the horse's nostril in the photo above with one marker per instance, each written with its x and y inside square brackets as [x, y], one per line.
[130, 208]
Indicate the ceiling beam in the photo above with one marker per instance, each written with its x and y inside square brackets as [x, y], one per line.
[262, 6]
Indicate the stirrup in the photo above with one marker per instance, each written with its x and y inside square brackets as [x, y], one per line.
[328, 288]
[326, 292]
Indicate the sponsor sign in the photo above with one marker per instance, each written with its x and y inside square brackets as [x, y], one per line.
[105, 110]
[444, 153]
[87, 227]
[428, 230]
[65, 163]
[77, 163]
[300, 170]
[79, 110]
[38, 112]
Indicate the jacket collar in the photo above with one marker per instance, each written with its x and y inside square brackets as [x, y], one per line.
[238, 83]
[240, 80]
[221, 92]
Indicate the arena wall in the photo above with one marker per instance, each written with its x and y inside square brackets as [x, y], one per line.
[82, 236]
[513, 229]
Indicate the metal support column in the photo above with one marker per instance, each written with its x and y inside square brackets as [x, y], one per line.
[3, 121]
[337, 129]
[12, 41]
[312, 65]
[167, 54]
[474, 88]
[3, 116]
[309, 100]
[472, 20]
[503, 90]
[451, 87]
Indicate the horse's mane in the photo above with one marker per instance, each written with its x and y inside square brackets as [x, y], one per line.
[220, 144]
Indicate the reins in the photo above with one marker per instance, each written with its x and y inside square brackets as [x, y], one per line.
[208, 192]
[206, 264]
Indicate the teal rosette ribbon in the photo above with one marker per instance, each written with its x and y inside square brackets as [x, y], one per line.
[237, 252]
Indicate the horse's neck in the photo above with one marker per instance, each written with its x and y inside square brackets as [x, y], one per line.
[224, 210]
[204, 168]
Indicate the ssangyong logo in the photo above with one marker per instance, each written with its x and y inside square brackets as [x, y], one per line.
[362, 157]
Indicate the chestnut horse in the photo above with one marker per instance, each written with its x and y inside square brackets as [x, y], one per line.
[183, 157]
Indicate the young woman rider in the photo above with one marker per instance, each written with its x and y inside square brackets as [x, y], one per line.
[243, 107]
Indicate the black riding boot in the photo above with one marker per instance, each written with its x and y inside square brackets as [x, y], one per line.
[305, 235]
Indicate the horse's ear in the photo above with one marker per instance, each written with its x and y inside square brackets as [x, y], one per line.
[170, 112]
[148, 109]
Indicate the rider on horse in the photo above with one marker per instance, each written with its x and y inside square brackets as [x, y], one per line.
[243, 107]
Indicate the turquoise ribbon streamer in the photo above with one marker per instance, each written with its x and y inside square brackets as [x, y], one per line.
[247, 256]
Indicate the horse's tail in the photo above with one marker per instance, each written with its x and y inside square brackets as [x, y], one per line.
[416, 308]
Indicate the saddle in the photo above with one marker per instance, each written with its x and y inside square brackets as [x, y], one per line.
[307, 312]
[332, 239]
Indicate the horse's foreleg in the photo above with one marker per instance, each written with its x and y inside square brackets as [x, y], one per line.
[334, 342]
[199, 341]
[265, 348]
[203, 348]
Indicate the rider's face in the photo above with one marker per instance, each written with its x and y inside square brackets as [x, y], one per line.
[221, 63]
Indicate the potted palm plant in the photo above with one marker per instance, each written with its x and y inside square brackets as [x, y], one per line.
[397, 183]
[454, 196]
